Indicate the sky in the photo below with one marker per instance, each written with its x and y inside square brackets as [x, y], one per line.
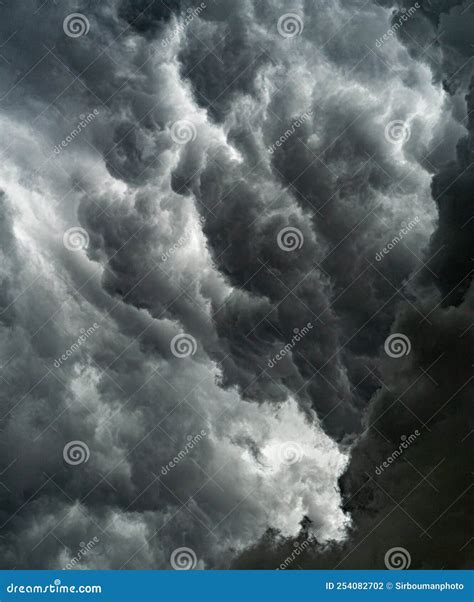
[236, 302]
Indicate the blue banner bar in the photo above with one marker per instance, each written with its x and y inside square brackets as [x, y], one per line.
[236, 586]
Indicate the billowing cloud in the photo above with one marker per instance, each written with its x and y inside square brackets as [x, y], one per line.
[213, 215]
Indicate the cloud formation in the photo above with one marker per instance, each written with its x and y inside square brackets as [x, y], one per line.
[183, 218]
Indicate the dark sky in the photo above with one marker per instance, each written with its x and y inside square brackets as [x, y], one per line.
[236, 245]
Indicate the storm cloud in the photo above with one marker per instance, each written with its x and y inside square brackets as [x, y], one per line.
[206, 245]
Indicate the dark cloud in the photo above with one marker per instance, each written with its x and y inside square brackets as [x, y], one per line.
[427, 394]
[451, 247]
[438, 32]
[286, 366]
[148, 17]
[422, 494]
